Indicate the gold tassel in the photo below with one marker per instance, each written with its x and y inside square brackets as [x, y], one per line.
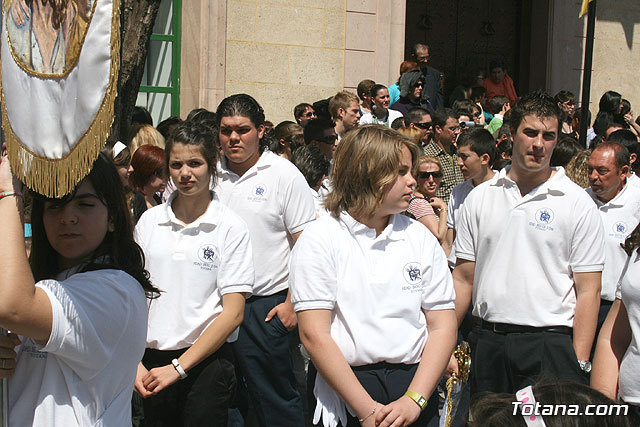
[57, 177]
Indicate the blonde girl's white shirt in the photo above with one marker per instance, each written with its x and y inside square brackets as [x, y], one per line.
[629, 292]
[193, 265]
[84, 374]
[376, 287]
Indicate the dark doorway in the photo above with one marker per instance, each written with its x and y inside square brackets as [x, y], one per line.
[465, 35]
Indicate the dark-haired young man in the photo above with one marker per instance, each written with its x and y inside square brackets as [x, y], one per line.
[476, 154]
[303, 113]
[272, 197]
[419, 118]
[446, 129]
[529, 248]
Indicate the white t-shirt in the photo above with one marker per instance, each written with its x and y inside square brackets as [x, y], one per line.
[369, 118]
[456, 199]
[629, 292]
[376, 287]
[634, 180]
[273, 198]
[619, 217]
[83, 376]
[458, 195]
[193, 265]
[526, 249]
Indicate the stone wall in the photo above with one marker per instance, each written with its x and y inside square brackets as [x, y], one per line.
[284, 52]
[616, 52]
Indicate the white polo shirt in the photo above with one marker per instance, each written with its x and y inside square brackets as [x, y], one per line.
[376, 287]
[619, 217]
[526, 249]
[629, 292]
[634, 180]
[193, 265]
[273, 198]
[83, 376]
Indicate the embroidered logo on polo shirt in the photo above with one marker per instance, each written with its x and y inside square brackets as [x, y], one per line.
[207, 256]
[544, 215]
[619, 227]
[259, 193]
[412, 273]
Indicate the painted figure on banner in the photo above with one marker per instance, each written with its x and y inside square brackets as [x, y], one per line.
[46, 36]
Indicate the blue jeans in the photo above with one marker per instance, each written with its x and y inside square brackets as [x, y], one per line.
[263, 355]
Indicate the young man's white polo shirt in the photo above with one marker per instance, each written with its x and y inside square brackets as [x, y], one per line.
[193, 265]
[83, 375]
[634, 180]
[274, 200]
[526, 249]
[376, 287]
[629, 292]
[619, 217]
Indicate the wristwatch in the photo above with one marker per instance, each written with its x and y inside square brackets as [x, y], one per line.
[418, 398]
[585, 365]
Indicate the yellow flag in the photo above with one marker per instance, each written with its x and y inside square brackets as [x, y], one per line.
[584, 8]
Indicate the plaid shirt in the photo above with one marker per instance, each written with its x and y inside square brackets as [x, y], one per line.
[451, 174]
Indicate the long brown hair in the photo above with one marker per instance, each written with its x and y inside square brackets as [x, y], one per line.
[117, 251]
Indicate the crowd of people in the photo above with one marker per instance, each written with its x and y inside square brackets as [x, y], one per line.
[231, 272]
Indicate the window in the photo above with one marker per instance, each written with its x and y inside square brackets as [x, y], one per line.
[160, 88]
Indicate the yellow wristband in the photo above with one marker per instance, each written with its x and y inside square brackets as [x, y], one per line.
[418, 398]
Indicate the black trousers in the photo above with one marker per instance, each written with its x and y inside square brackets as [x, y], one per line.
[263, 354]
[385, 383]
[505, 363]
[201, 399]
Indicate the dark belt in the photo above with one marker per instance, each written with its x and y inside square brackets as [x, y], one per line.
[506, 328]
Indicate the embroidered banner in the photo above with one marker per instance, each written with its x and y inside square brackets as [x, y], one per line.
[60, 61]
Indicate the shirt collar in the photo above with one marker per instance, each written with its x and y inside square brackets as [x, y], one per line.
[211, 216]
[555, 184]
[619, 200]
[262, 163]
[391, 232]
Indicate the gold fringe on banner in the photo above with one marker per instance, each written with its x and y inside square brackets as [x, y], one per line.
[57, 177]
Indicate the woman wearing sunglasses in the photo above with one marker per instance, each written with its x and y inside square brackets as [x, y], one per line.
[424, 205]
